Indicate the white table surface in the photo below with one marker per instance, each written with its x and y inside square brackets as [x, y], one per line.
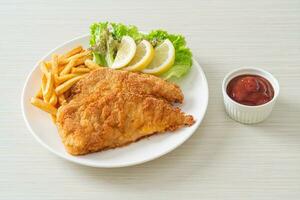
[222, 160]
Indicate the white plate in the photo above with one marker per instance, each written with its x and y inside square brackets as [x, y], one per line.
[194, 87]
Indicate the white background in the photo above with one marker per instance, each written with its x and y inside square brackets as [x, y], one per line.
[222, 160]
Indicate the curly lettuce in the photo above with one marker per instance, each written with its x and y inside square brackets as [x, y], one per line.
[105, 37]
[98, 42]
[119, 30]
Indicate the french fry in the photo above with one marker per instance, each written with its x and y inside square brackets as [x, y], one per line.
[39, 94]
[60, 68]
[48, 65]
[64, 60]
[74, 51]
[58, 76]
[64, 78]
[68, 67]
[66, 85]
[44, 83]
[43, 105]
[55, 79]
[61, 99]
[79, 70]
[79, 55]
[92, 65]
[53, 117]
[49, 87]
[54, 68]
[53, 99]
[44, 68]
[81, 60]
[54, 64]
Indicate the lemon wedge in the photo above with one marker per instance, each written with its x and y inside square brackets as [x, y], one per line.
[142, 58]
[164, 57]
[125, 52]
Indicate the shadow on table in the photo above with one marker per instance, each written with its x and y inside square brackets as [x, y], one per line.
[284, 119]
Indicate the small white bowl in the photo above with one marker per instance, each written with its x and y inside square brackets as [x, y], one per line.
[249, 114]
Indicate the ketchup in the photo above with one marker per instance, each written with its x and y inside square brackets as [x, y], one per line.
[251, 90]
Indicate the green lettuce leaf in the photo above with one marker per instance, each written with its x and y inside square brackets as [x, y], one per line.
[105, 37]
[99, 59]
[119, 30]
[112, 48]
[95, 30]
[98, 39]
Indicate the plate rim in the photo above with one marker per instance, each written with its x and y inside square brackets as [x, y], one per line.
[90, 164]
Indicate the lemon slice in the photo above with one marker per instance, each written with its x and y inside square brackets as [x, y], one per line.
[125, 52]
[142, 58]
[164, 57]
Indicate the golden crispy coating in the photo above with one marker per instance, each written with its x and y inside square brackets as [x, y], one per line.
[143, 84]
[110, 108]
[101, 122]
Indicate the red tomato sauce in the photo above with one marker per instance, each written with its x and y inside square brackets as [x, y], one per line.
[251, 90]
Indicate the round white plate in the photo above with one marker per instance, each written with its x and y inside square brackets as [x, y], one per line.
[193, 85]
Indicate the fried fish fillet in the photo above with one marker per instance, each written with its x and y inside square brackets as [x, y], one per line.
[110, 108]
[144, 84]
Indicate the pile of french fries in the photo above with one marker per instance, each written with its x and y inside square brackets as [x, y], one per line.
[59, 75]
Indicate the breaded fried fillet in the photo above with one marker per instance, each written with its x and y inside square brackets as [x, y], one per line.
[144, 84]
[110, 108]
